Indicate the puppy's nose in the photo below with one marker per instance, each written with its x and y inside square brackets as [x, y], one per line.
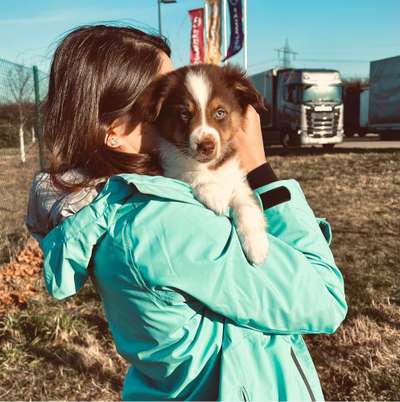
[207, 146]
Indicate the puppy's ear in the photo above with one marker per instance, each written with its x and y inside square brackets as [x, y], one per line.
[151, 100]
[245, 92]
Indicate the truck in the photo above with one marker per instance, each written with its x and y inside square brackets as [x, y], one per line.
[375, 108]
[303, 106]
[363, 114]
[353, 108]
[384, 98]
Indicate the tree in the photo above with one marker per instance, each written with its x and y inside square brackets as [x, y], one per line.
[20, 87]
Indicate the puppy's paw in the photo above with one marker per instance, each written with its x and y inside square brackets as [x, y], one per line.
[256, 246]
[212, 197]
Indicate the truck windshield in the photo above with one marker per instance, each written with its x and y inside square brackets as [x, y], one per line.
[322, 93]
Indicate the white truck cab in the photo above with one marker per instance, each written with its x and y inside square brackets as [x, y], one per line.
[304, 105]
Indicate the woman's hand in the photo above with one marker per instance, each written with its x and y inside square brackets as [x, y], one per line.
[249, 141]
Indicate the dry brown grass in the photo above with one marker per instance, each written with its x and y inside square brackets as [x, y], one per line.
[54, 350]
[359, 193]
[62, 350]
[18, 278]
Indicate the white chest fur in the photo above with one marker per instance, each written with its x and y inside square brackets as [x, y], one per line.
[221, 188]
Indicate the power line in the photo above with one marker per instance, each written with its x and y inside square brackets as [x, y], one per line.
[336, 60]
[267, 61]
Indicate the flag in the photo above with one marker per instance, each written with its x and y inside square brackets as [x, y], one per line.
[214, 32]
[236, 39]
[196, 36]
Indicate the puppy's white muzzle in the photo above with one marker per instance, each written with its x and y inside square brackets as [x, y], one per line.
[205, 144]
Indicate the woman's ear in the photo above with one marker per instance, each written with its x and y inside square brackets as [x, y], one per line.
[117, 129]
[112, 139]
[245, 92]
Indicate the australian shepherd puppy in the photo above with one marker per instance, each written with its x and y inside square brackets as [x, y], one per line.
[198, 110]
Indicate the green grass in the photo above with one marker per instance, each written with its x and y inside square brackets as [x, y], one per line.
[63, 350]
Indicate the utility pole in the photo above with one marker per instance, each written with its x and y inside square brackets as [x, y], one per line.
[38, 122]
[287, 53]
[159, 12]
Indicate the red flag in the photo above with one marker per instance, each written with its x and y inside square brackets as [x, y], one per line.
[196, 37]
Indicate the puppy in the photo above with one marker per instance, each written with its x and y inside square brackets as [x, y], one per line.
[198, 110]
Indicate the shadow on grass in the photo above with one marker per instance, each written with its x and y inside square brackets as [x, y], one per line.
[97, 322]
[62, 355]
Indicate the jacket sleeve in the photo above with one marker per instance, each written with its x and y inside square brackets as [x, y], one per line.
[298, 289]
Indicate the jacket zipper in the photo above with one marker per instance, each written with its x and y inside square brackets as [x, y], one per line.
[303, 376]
[245, 395]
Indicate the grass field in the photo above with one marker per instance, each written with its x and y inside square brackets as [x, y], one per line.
[15, 179]
[62, 350]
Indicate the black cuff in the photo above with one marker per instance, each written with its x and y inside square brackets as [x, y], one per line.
[261, 176]
[275, 197]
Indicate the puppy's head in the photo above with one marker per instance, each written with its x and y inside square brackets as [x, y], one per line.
[200, 108]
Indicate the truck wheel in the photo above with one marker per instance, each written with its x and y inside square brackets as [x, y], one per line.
[362, 133]
[328, 147]
[286, 138]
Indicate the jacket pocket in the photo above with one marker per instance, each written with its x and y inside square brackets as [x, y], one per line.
[302, 374]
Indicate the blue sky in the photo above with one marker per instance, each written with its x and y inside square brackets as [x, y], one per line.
[342, 34]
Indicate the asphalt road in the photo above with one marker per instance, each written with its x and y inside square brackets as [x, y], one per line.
[370, 141]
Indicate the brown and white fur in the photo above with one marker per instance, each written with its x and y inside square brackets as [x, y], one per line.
[198, 111]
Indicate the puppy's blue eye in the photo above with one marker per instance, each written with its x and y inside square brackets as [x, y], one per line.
[219, 114]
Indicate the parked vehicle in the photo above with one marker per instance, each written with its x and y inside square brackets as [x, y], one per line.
[363, 115]
[352, 108]
[376, 108]
[384, 98]
[304, 106]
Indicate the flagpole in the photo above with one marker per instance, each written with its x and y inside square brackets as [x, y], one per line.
[206, 27]
[245, 34]
[225, 32]
[159, 17]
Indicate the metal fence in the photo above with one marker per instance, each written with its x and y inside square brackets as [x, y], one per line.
[22, 89]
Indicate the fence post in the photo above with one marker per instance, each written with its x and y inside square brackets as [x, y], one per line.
[38, 122]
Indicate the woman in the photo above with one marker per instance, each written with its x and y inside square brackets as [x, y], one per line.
[194, 319]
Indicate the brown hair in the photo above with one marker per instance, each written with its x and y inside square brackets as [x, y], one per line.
[97, 74]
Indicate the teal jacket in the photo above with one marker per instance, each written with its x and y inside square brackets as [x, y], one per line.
[195, 320]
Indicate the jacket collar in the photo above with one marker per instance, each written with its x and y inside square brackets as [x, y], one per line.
[166, 187]
[116, 190]
[160, 186]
